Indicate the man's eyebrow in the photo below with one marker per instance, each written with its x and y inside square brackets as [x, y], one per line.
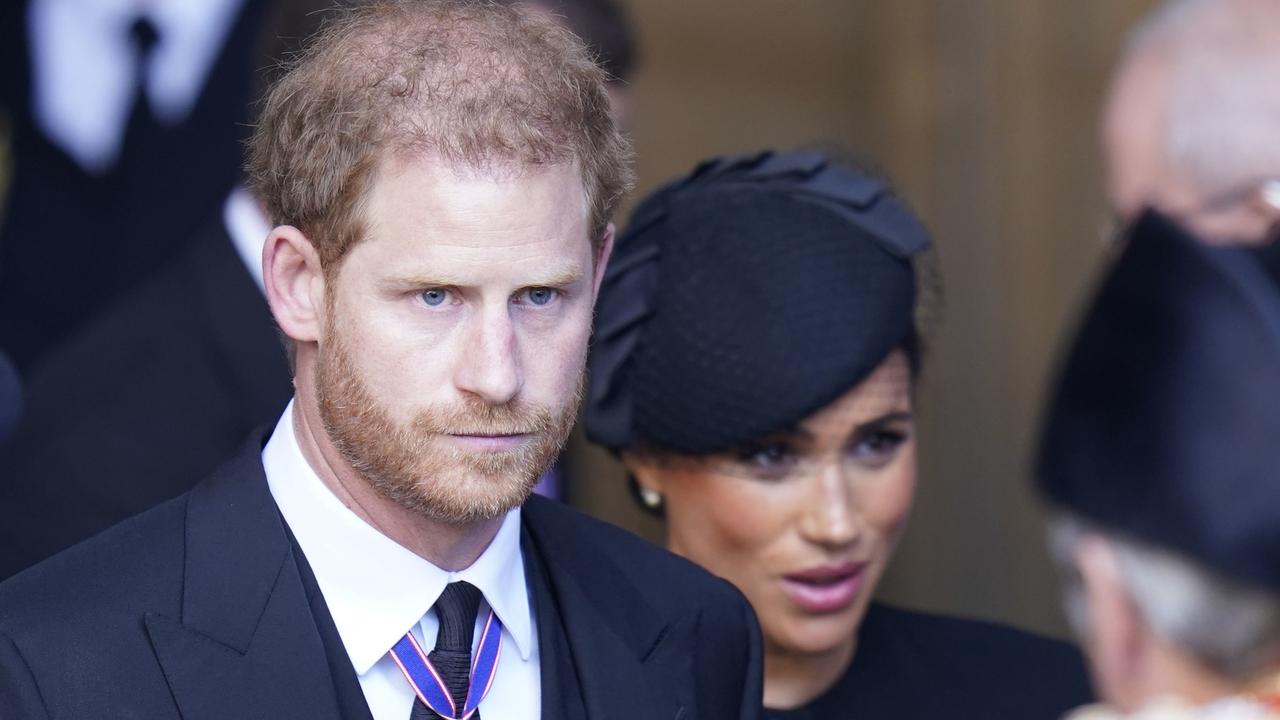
[563, 277]
[555, 278]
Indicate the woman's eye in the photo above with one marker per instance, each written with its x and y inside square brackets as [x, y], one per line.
[879, 443]
[540, 296]
[434, 297]
[767, 456]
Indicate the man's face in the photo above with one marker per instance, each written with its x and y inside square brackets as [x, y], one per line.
[1139, 176]
[456, 333]
[1132, 135]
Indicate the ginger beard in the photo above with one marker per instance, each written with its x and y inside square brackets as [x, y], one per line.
[413, 466]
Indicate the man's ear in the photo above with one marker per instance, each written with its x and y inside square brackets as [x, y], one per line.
[295, 283]
[1117, 636]
[603, 251]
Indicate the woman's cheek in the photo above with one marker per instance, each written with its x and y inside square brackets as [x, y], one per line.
[891, 498]
[724, 520]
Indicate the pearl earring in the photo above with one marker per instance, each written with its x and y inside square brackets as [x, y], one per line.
[652, 499]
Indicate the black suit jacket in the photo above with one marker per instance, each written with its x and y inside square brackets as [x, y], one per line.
[142, 405]
[196, 609]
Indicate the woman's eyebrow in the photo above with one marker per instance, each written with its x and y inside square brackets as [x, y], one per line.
[885, 419]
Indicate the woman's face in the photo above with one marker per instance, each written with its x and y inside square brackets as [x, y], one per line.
[802, 522]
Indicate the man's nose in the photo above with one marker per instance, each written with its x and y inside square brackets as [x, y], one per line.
[489, 366]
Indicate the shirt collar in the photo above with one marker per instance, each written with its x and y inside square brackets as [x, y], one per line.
[375, 589]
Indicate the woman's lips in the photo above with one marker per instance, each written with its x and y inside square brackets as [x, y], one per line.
[824, 589]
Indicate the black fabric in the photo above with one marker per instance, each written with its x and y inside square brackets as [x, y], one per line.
[456, 611]
[197, 609]
[1269, 254]
[1164, 425]
[141, 125]
[346, 685]
[561, 686]
[142, 404]
[723, 280]
[72, 242]
[10, 398]
[913, 665]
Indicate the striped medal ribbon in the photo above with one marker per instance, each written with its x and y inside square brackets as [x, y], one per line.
[430, 687]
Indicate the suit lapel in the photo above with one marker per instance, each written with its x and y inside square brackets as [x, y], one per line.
[246, 645]
[632, 663]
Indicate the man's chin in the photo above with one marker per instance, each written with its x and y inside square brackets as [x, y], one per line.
[471, 492]
[468, 511]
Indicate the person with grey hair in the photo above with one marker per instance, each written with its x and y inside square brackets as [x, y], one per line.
[1159, 463]
[1190, 126]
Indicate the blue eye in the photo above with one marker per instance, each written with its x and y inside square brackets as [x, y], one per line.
[434, 297]
[540, 296]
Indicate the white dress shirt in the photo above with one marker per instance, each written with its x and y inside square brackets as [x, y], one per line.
[377, 590]
[84, 67]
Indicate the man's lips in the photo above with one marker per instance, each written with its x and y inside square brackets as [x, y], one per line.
[824, 588]
[489, 443]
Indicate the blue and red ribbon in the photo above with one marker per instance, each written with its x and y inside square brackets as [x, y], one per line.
[430, 687]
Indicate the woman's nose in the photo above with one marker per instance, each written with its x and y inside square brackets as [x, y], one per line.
[831, 517]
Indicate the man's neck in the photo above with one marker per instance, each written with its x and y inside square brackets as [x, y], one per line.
[448, 546]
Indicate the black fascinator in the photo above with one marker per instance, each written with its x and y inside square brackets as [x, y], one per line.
[745, 297]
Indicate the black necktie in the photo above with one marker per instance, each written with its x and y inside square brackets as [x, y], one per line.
[141, 126]
[456, 610]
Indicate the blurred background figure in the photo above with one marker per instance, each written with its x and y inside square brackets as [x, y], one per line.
[125, 121]
[167, 382]
[754, 365]
[1159, 463]
[1191, 122]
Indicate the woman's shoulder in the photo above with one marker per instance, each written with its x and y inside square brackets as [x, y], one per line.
[971, 668]
[937, 633]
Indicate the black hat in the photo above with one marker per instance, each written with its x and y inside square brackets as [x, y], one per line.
[1165, 425]
[745, 297]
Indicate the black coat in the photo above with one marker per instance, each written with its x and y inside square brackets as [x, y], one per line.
[913, 665]
[142, 405]
[72, 242]
[196, 609]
